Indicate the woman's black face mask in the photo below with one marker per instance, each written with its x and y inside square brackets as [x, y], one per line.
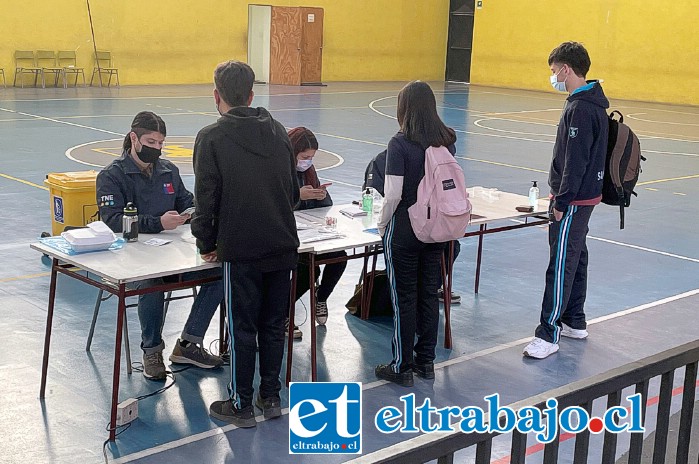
[149, 154]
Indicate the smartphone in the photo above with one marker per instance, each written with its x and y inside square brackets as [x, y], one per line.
[326, 185]
[525, 208]
[189, 211]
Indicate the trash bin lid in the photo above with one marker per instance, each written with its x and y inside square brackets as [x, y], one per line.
[76, 179]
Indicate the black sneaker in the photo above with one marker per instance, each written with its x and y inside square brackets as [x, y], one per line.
[455, 297]
[385, 372]
[424, 371]
[153, 366]
[195, 355]
[271, 407]
[225, 411]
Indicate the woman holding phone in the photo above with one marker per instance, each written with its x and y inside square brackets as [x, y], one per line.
[313, 195]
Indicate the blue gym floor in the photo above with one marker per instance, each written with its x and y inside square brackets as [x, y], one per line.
[505, 141]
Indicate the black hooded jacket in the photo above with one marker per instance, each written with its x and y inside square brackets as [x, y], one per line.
[246, 189]
[579, 154]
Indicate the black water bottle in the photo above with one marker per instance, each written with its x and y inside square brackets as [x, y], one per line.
[130, 223]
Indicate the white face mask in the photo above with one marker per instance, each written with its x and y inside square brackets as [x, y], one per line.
[303, 165]
[560, 86]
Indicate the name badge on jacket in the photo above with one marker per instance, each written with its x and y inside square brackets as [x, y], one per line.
[168, 189]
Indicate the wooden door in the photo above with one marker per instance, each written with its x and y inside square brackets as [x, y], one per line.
[311, 45]
[285, 46]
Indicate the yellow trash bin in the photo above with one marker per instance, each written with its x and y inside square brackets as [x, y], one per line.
[73, 199]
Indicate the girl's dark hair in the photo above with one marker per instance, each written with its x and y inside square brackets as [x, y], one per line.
[145, 122]
[302, 139]
[418, 118]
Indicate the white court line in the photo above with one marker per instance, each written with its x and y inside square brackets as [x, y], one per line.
[61, 122]
[649, 250]
[368, 386]
[633, 116]
[635, 247]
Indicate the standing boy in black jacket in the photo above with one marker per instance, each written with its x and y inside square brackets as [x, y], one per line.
[575, 178]
[245, 190]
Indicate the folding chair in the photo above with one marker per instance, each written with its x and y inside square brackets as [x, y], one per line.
[46, 60]
[68, 62]
[103, 65]
[127, 349]
[25, 63]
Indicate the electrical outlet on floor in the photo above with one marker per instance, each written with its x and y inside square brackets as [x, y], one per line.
[127, 411]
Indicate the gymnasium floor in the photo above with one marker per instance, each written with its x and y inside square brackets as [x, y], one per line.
[643, 281]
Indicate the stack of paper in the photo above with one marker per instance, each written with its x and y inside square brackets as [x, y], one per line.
[353, 212]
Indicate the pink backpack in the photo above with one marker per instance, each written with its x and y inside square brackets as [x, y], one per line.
[442, 210]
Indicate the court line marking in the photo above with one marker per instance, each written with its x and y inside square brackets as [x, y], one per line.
[61, 122]
[26, 276]
[191, 97]
[649, 250]
[633, 116]
[16, 179]
[222, 430]
[671, 179]
[643, 135]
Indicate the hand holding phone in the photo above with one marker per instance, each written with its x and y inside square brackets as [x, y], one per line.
[189, 211]
[324, 186]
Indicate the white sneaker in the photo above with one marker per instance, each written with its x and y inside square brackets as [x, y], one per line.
[539, 348]
[567, 331]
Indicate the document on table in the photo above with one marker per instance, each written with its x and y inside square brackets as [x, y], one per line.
[316, 235]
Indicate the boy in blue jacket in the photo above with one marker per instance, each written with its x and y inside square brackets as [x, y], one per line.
[575, 178]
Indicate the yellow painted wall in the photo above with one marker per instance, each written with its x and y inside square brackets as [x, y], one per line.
[644, 50]
[181, 41]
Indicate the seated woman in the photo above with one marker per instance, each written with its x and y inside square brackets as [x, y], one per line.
[305, 144]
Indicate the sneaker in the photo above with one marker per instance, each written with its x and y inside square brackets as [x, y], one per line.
[153, 366]
[321, 312]
[385, 372]
[568, 331]
[539, 348]
[191, 353]
[298, 335]
[424, 371]
[455, 297]
[227, 412]
[271, 407]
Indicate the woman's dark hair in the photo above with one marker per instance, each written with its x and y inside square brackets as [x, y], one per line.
[418, 118]
[302, 139]
[143, 123]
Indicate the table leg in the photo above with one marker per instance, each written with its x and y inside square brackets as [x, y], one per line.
[478, 259]
[363, 301]
[290, 334]
[447, 296]
[117, 360]
[312, 288]
[49, 325]
[368, 280]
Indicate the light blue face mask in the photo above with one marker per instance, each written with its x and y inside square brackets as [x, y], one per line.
[303, 165]
[560, 86]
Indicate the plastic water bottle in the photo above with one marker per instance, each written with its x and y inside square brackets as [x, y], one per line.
[129, 222]
[534, 195]
[368, 201]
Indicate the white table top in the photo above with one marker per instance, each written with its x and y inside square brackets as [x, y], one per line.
[488, 206]
[138, 261]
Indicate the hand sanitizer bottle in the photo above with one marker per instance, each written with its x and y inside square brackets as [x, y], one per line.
[368, 201]
[534, 195]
